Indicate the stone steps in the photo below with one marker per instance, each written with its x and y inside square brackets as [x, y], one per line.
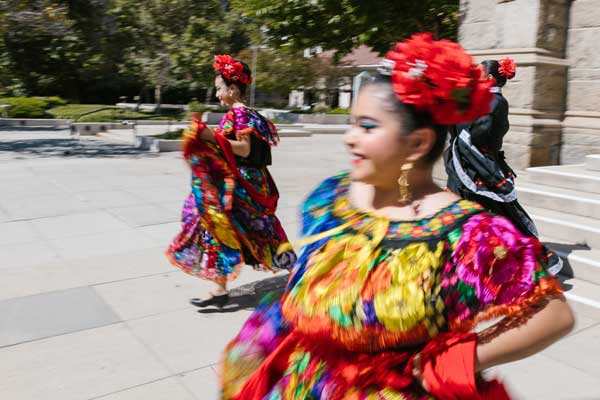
[574, 177]
[579, 260]
[582, 264]
[584, 204]
[564, 202]
[592, 162]
[566, 226]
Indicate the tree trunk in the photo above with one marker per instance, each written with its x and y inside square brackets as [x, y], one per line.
[157, 95]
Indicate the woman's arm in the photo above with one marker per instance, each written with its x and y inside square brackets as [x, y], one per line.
[240, 147]
[513, 339]
[503, 343]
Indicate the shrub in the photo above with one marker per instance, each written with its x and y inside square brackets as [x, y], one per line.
[344, 111]
[53, 101]
[301, 111]
[171, 135]
[280, 121]
[196, 106]
[26, 107]
[321, 108]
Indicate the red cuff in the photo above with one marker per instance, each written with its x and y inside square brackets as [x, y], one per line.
[448, 369]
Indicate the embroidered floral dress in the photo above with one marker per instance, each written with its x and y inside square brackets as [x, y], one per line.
[228, 219]
[368, 293]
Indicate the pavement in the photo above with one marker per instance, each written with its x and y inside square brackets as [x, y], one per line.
[91, 309]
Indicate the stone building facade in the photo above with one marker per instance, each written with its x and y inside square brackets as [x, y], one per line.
[555, 96]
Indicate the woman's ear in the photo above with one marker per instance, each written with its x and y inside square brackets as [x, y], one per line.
[419, 143]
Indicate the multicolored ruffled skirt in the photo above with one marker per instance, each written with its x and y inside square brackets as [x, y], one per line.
[223, 227]
[269, 360]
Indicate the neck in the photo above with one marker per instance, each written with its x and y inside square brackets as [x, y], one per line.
[421, 184]
[238, 103]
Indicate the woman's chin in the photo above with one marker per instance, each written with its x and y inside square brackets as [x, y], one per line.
[359, 175]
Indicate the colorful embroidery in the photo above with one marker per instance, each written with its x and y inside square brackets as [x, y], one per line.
[372, 287]
[223, 226]
[245, 121]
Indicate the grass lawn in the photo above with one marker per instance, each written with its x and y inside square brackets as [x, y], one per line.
[73, 111]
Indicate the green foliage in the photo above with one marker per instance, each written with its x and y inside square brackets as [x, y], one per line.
[196, 106]
[72, 111]
[279, 71]
[45, 51]
[53, 101]
[279, 121]
[171, 135]
[112, 114]
[344, 111]
[97, 51]
[25, 107]
[322, 108]
[168, 41]
[301, 111]
[343, 24]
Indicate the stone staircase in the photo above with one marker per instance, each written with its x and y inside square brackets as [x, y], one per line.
[564, 201]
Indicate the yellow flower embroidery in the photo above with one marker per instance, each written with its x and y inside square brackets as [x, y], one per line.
[223, 230]
[402, 306]
[334, 276]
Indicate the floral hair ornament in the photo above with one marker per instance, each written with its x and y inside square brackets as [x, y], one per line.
[230, 69]
[507, 68]
[439, 77]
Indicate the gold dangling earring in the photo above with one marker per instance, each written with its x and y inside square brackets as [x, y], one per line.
[404, 186]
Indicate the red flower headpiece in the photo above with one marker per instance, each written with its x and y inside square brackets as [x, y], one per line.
[507, 68]
[230, 69]
[438, 77]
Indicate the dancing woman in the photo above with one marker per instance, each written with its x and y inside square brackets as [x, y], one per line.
[228, 219]
[394, 271]
[475, 163]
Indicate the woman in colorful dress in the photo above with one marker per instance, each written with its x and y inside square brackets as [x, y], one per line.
[475, 163]
[394, 272]
[229, 219]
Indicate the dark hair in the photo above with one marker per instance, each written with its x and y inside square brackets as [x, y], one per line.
[491, 68]
[240, 85]
[411, 118]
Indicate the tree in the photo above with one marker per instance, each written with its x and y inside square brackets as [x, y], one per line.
[44, 50]
[173, 40]
[344, 24]
[279, 71]
[58, 47]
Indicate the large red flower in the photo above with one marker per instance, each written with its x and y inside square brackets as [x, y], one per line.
[439, 77]
[231, 69]
[507, 68]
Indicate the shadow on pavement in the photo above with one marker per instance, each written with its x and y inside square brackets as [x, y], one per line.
[565, 249]
[17, 129]
[248, 296]
[71, 148]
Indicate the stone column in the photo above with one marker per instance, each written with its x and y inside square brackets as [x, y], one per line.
[581, 127]
[533, 33]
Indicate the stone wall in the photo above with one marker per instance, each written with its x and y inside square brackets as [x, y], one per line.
[534, 34]
[581, 126]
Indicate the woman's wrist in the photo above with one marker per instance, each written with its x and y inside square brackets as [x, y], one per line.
[417, 371]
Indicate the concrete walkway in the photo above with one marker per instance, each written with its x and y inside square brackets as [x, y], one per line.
[91, 309]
